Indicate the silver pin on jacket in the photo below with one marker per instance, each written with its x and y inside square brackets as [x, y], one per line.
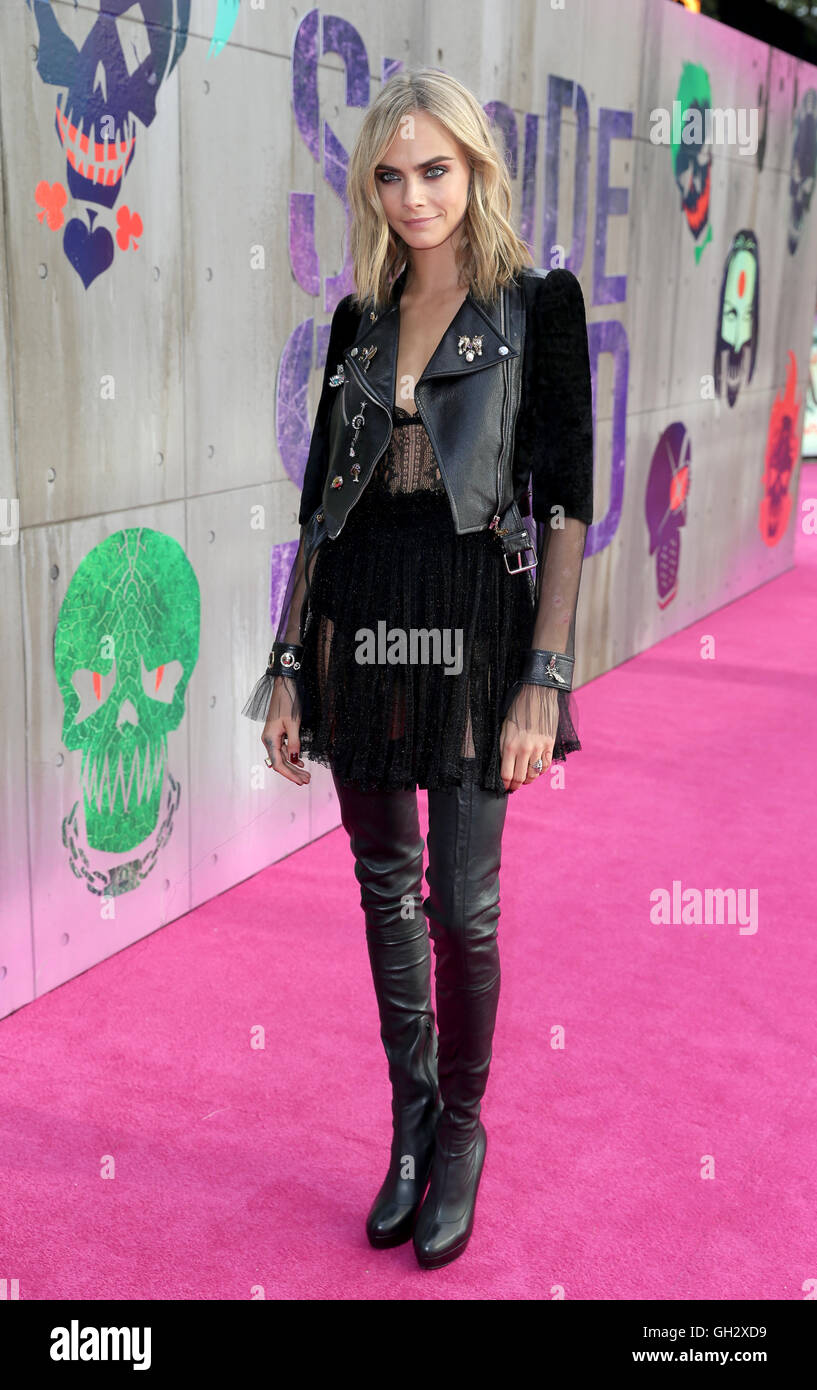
[470, 346]
[359, 420]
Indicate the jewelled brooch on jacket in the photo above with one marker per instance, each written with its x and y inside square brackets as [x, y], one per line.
[470, 346]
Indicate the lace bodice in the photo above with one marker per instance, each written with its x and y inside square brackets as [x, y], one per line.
[409, 464]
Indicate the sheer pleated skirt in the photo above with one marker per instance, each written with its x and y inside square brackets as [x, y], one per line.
[430, 717]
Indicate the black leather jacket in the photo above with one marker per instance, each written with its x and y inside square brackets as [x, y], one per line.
[506, 400]
[467, 398]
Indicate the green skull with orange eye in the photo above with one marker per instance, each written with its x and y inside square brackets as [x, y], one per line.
[126, 642]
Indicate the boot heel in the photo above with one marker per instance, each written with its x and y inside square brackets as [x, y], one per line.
[446, 1218]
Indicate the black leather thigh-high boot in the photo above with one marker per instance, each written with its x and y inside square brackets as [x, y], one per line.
[384, 833]
[464, 846]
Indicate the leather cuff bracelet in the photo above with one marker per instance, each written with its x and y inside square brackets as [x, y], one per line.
[548, 668]
[285, 658]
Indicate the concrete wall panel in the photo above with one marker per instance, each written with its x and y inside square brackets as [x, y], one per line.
[16, 963]
[141, 596]
[108, 869]
[98, 367]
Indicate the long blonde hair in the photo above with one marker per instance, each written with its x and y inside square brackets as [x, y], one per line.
[490, 252]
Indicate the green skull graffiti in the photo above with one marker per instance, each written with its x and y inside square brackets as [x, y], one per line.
[737, 337]
[737, 323]
[127, 640]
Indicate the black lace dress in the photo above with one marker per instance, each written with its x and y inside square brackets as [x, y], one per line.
[433, 714]
[385, 708]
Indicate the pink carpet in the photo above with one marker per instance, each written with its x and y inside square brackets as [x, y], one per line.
[687, 1048]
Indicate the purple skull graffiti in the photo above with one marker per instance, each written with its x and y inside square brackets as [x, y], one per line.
[665, 506]
[803, 166]
[108, 88]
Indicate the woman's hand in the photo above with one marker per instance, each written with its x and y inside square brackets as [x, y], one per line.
[528, 733]
[282, 733]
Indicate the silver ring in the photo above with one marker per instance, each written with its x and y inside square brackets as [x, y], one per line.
[537, 766]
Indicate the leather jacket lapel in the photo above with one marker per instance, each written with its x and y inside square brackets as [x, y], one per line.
[473, 333]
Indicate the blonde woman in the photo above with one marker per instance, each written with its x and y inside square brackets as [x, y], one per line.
[424, 639]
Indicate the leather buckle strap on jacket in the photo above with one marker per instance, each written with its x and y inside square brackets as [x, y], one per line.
[516, 539]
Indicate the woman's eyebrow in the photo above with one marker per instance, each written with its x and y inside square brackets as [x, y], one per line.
[442, 158]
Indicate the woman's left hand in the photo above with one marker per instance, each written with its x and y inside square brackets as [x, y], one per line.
[528, 733]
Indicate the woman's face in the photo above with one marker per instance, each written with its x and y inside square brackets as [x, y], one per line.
[423, 181]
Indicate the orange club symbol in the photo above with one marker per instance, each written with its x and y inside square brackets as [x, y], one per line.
[51, 199]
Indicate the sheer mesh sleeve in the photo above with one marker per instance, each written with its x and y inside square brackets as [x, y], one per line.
[554, 449]
[286, 691]
[284, 695]
[552, 713]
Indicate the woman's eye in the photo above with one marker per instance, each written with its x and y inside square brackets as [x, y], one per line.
[386, 176]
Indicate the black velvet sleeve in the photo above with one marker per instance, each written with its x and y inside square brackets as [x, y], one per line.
[554, 430]
[554, 450]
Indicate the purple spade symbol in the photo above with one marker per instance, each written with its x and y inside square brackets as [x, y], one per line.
[89, 252]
